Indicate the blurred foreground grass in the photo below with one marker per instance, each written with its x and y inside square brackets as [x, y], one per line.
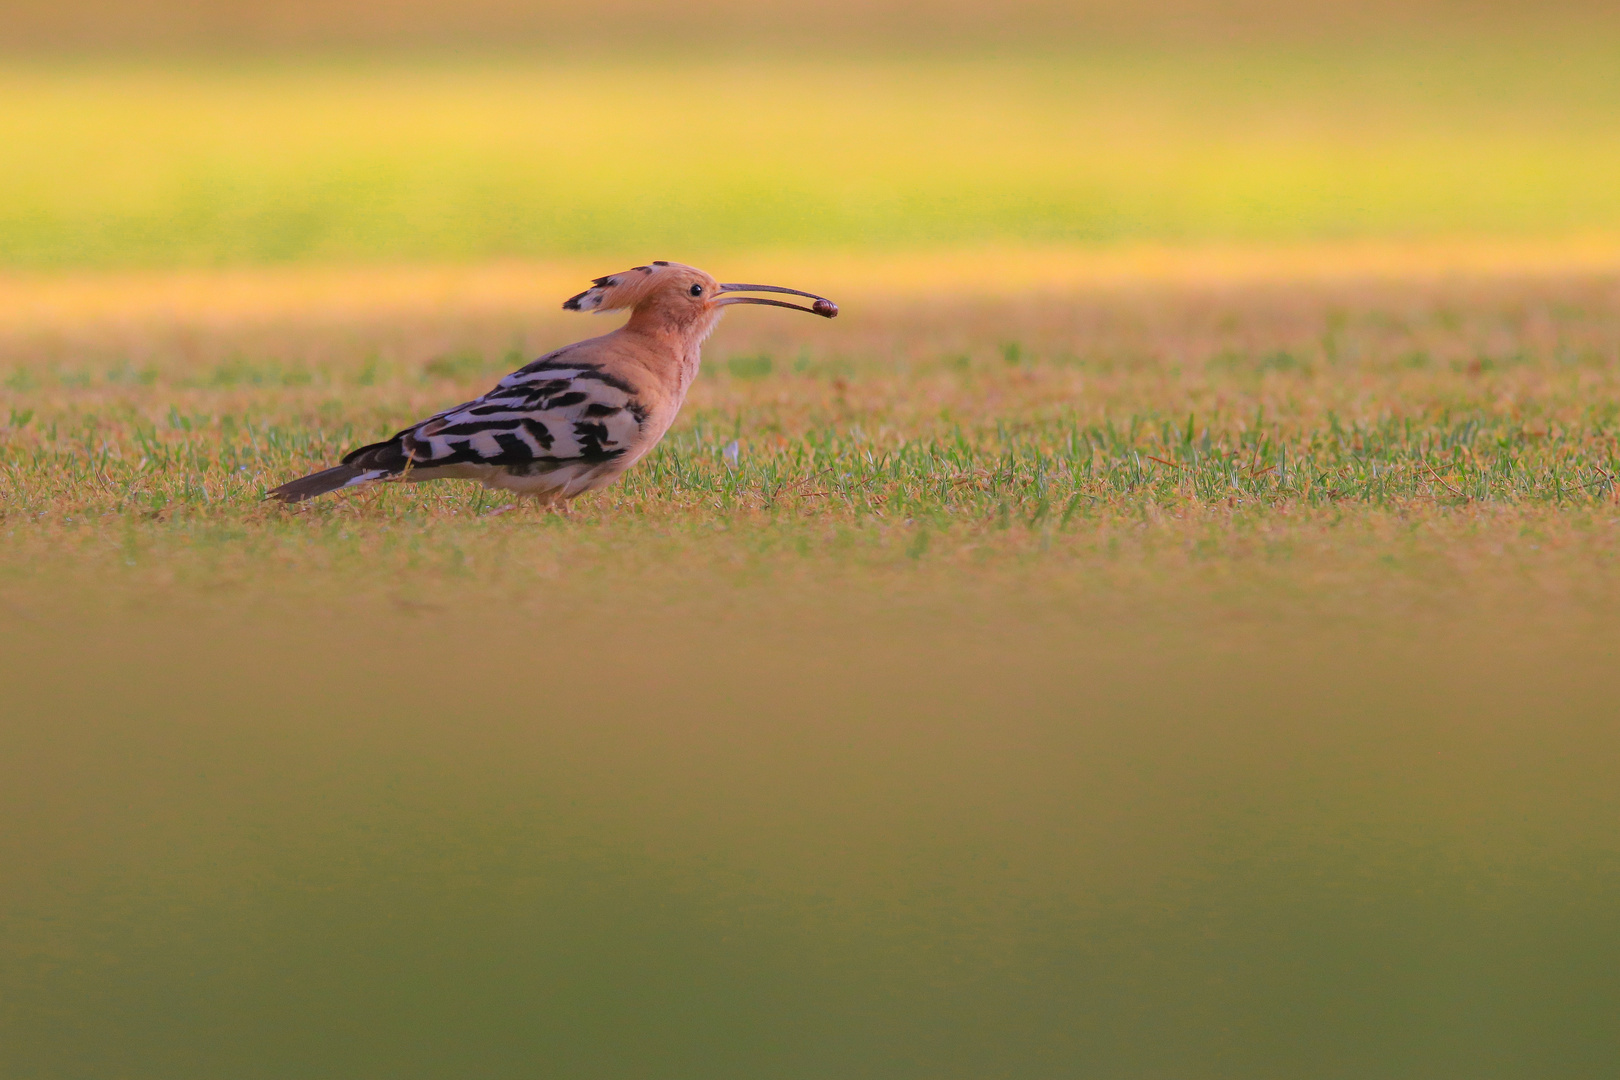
[608, 838]
[204, 162]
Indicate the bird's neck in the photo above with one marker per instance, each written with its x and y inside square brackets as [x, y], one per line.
[676, 341]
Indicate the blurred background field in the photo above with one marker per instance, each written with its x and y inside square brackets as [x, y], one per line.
[734, 25]
[158, 134]
[204, 161]
[1164, 627]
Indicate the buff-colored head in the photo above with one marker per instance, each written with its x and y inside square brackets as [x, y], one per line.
[680, 295]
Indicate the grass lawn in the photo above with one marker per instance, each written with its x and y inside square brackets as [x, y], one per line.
[1167, 428]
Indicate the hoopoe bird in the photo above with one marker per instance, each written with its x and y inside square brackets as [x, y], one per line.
[577, 418]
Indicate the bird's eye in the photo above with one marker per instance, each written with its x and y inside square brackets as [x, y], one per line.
[697, 290]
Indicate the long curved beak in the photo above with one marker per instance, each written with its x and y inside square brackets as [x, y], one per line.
[822, 306]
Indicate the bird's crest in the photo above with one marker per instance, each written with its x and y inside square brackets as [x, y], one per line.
[617, 291]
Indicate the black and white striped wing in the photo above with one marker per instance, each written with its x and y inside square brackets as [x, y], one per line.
[542, 418]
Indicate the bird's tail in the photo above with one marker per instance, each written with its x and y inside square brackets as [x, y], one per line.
[307, 487]
[375, 462]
